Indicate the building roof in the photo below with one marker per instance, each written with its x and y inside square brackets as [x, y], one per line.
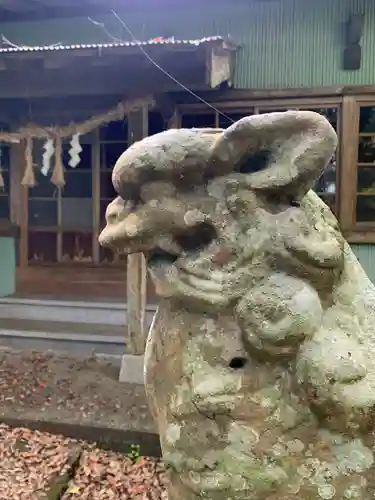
[99, 46]
[59, 69]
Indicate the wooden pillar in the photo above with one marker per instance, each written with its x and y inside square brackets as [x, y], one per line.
[348, 163]
[19, 199]
[175, 120]
[95, 165]
[136, 265]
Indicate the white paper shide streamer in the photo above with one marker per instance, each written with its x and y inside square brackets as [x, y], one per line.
[74, 151]
[49, 150]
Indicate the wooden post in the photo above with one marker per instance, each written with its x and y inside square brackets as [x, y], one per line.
[348, 164]
[96, 196]
[19, 199]
[136, 299]
[175, 120]
[136, 265]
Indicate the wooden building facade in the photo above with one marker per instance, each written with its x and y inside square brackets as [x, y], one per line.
[102, 97]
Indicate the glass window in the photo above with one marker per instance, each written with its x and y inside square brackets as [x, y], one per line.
[365, 205]
[5, 157]
[110, 153]
[326, 185]
[107, 191]
[227, 119]
[199, 120]
[76, 213]
[42, 247]
[44, 187]
[262, 111]
[367, 120]
[77, 184]
[366, 150]
[107, 256]
[365, 194]
[156, 123]
[4, 207]
[43, 212]
[77, 247]
[115, 131]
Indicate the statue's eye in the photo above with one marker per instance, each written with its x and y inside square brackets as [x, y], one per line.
[255, 162]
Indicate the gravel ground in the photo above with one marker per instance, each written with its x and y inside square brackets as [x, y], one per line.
[41, 466]
[109, 476]
[44, 386]
[33, 464]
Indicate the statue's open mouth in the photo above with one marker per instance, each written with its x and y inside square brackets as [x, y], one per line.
[182, 265]
[189, 242]
[157, 257]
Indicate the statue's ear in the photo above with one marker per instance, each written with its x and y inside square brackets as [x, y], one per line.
[275, 151]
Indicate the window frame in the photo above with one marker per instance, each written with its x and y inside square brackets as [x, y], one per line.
[360, 232]
[5, 171]
[58, 229]
[61, 230]
[348, 103]
[99, 256]
[348, 109]
[252, 107]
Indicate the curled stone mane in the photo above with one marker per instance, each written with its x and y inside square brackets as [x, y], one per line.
[260, 363]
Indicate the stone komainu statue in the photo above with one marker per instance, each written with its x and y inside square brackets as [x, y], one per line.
[260, 365]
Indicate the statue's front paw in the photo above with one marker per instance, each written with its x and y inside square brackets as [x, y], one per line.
[347, 408]
[331, 357]
[279, 314]
[339, 380]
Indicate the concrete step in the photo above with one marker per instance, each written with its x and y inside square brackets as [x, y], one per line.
[73, 338]
[93, 313]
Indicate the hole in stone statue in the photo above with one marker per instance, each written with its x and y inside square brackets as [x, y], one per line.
[159, 256]
[198, 237]
[295, 203]
[237, 363]
[255, 162]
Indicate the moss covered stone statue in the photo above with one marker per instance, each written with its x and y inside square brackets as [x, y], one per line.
[260, 363]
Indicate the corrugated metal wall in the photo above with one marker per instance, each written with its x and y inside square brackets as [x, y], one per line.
[285, 43]
[299, 43]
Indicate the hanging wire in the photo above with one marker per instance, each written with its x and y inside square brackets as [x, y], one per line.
[104, 29]
[145, 53]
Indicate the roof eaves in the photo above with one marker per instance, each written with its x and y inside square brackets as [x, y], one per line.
[156, 41]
